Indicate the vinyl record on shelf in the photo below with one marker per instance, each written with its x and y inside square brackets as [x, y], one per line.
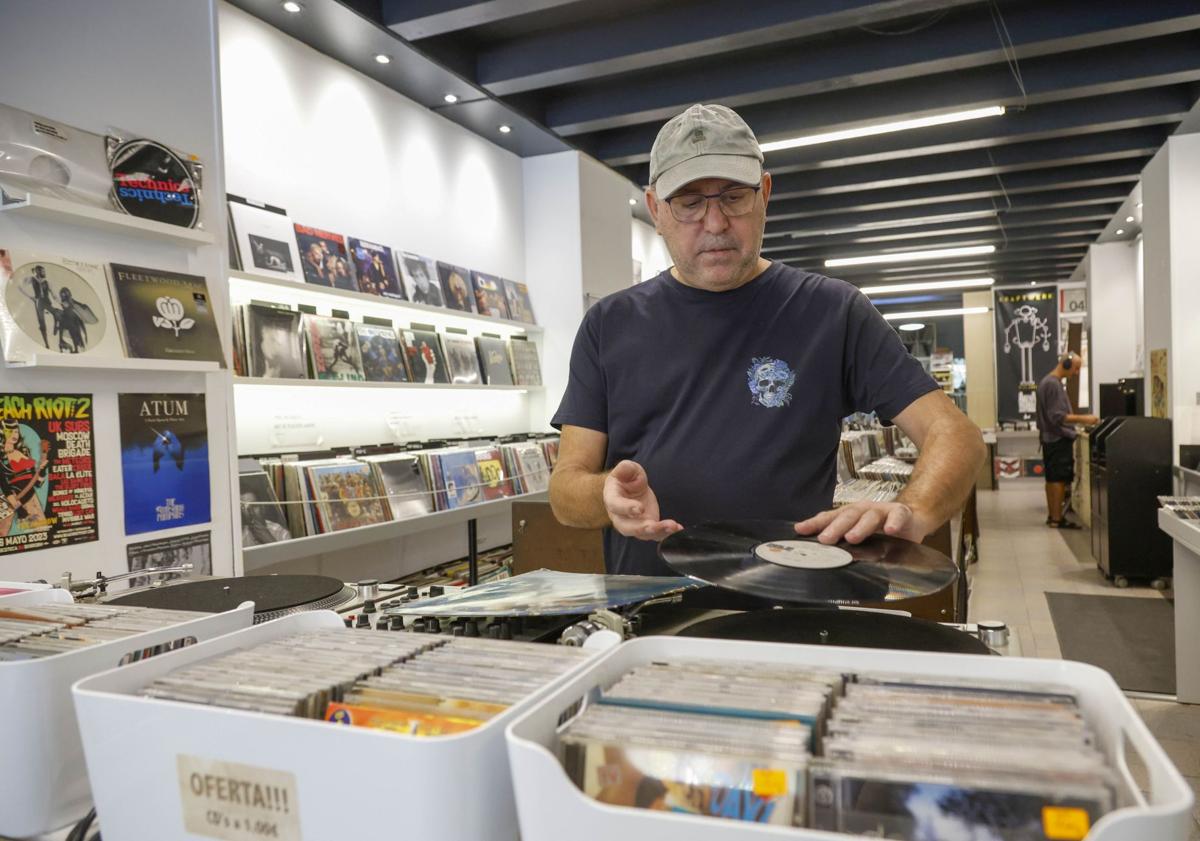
[766, 558]
[151, 181]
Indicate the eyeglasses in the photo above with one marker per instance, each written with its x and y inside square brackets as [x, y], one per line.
[692, 207]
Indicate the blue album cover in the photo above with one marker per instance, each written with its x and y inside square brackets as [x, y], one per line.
[460, 477]
[164, 461]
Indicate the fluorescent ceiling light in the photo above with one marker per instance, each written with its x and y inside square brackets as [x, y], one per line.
[910, 256]
[964, 283]
[884, 128]
[897, 316]
[912, 326]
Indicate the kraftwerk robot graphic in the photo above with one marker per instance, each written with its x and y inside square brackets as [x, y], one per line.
[1026, 331]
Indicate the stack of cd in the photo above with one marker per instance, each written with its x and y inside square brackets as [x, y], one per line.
[1184, 507]
[865, 490]
[907, 757]
[408, 683]
[31, 632]
[704, 738]
[888, 469]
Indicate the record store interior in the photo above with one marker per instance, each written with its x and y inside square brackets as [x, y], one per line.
[530, 420]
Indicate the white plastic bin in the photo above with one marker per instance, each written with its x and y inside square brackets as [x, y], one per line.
[43, 780]
[324, 781]
[552, 808]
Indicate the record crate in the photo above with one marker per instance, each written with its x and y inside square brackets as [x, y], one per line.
[43, 780]
[155, 764]
[552, 808]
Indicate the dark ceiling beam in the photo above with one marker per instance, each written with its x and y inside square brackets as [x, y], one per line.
[1055, 78]
[964, 40]
[665, 34]
[417, 19]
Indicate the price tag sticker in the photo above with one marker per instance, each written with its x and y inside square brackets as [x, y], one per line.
[1065, 823]
[234, 802]
[769, 782]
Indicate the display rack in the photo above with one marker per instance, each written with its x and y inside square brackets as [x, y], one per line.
[551, 807]
[299, 383]
[62, 210]
[113, 363]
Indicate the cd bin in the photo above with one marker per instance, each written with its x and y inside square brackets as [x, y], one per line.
[552, 808]
[322, 781]
[43, 783]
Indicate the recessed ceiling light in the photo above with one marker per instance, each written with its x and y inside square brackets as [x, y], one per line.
[925, 286]
[292, 6]
[505, 129]
[1033, 283]
[883, 128]
[907, 256]
[383, 58]
[911, 326]
[896, 316]
[633, 202]
[1128, 218]
[450, 98]
[1120, 231]
[1139, 204]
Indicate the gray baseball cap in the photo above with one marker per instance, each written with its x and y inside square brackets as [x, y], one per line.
[705, 141]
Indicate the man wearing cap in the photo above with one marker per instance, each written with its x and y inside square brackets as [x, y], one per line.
[715, 391]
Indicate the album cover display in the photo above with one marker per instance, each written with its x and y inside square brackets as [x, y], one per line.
[164, 461]
[526, 368]
[263, 520]
[460, 478]
[383, 361]
[165, 315]
[347, 496]
[420, 278]
[403, 481]
[375, 269]
[493, 360]
[324, 258]
[489, 295]
[152, 181]
[534, 472]
[492, 476]
[163, 552]
[47, 472]
[332, 349]
[50, 158]
[264, 238]
[520, 308]
[274, 342]
[456, 287]
[426, 362]
[55, 305]
[464, 364]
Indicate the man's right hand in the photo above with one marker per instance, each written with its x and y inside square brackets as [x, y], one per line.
[632, 506]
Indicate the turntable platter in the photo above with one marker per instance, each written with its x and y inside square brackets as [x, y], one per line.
[273, 595]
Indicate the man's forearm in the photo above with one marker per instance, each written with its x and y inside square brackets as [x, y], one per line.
[577, 498]
[946, 470]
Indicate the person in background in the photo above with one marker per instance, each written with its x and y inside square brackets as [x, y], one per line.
[1056, 430]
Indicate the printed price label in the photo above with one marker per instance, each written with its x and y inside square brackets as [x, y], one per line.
[1065, 823]
[235, 802]
[770, 782]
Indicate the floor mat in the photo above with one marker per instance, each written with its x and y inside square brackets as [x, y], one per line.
[1131, 638]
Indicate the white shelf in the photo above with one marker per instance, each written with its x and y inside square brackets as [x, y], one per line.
[333, 296]
[61, 210]
[256, 557]
[297, 383]
[1184, 532]
[115, 363]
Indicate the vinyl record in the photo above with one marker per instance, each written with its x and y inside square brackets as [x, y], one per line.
[152, 182]
[56, 308]
[767, 558]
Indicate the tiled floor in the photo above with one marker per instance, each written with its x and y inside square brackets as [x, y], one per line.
[1020, 560]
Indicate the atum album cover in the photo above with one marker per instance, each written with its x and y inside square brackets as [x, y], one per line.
[164, 461]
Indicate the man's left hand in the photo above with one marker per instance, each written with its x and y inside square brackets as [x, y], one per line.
[856, 522]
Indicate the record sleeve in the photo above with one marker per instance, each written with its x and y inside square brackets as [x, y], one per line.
[464, 364]
[460, 477]
[164, 461]
[456, 287]
[194, 549]
[493, 360]
[347, 496]
[403, 481]
[324, 258]
[53, 305]
[383, 361]
[489, 295]
[375, 269]
[263, 520]
[420, 277]
[332, 348]
[535, 474]
[524, 357]
[265, 240]
[153, 181]
[274, 342]
[492, 475]
[426, 362]
[50, 158]
[165, 315]
[520, 307]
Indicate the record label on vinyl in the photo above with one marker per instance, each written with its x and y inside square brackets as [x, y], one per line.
[56, 309]
[152, 182]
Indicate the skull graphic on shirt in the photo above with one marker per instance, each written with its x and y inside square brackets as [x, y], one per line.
[770, 382]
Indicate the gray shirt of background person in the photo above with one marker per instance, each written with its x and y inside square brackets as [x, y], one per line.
[1052, 410]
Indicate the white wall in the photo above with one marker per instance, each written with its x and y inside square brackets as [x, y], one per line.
[146, 67]
[605, 215]
[1112, 277]
[649, 249]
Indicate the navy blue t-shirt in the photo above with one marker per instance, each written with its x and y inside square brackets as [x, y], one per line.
[732, 401]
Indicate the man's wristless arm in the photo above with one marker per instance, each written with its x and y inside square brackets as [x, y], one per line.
[577, 498]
